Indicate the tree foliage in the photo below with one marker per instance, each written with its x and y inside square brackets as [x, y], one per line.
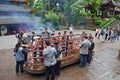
[106, 23]
[71, 10]
[53, 18]
[31, 3]
[118, 17]
[38, 6]
[80, 5]
[97, 21]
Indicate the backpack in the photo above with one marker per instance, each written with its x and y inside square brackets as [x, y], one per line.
[92, 46]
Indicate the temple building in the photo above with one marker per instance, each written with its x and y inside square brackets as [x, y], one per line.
[15, 16]
[108, 8]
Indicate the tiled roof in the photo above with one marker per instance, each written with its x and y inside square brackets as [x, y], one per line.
[13, 8]
[17, 19]
[19, 1]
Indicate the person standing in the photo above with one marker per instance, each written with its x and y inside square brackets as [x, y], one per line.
[106, 34]
[65, 35]
[96, 32]
[103, 31]
[71, 29]
[19, 57]
[24, 45]
[20, 35]
[35, 45]
[90, 36]
[58, 58]
[49, 60]
[82, 36]
[118, 34]
[99, 33]
[109, 34]
[32, 37]
[112, 36]
[46, 33]
[91, 48]
[84, 51]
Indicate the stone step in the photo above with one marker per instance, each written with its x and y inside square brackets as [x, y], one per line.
[115, 24]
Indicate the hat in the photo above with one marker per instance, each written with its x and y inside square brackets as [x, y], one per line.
[36, 37]
[24, 35]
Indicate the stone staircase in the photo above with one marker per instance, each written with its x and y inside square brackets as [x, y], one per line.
[115, 24]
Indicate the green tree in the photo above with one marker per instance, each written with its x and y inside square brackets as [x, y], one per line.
[118, 17]
[97, 21]
[79, 9]
[31, 3]
[67, 10]
[80, 6]
[38, 7]
[53, 18]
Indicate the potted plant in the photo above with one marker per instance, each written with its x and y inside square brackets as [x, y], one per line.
[3, 30]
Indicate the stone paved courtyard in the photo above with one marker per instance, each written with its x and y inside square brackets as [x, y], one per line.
[105, 65]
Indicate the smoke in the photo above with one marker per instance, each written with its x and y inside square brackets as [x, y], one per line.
[50, 26]
[41, 27]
